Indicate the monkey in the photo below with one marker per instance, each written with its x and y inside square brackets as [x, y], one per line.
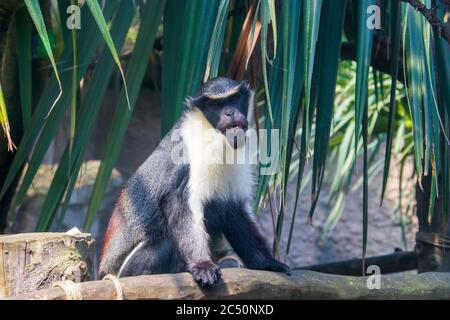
[169, 211]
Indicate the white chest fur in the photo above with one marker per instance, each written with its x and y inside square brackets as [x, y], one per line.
[216, 181]
[211, 176]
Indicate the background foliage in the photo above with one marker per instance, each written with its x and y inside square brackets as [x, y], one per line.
[295, 53]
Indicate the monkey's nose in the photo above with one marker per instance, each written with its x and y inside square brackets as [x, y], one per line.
[229, 112]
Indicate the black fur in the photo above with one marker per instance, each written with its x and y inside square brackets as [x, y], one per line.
[206, 273]
[240, 230]
[227, 111]
[153, 213]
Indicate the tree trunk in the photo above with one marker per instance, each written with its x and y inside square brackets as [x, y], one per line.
[433, 238]
[33, 261]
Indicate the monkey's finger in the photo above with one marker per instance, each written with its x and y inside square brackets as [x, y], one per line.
[214, 275]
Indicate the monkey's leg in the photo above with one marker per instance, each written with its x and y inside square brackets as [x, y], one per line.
[222, 252]
[147, 258]
[118, 242]
[242, 233]
[193, 244]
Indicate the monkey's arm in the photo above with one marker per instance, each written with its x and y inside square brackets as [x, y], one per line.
[192, 241]
[243, 235]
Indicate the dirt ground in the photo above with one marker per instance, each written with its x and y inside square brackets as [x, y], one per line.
[345, 241]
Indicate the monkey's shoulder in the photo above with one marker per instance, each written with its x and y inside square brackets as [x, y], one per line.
[160, 165]
[158, 177]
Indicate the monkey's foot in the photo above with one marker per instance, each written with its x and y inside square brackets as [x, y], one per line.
[278, 266]
[206, 273]
[230, 261]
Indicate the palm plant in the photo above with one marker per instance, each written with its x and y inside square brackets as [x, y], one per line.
[293, 53]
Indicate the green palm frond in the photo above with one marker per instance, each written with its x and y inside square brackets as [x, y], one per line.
[335, 112]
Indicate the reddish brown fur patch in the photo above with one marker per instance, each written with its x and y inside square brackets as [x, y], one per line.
[114, 225]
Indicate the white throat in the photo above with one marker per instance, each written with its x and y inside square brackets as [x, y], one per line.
[211, 175]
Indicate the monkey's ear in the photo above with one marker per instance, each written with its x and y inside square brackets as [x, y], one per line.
[245, 84]
[192, 102]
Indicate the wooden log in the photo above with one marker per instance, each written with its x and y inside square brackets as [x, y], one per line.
[32, 261]
[390, 263]
[250, 284]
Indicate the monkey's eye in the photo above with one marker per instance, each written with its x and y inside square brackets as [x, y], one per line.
[237, 96]
[214, 105]
[234, 99]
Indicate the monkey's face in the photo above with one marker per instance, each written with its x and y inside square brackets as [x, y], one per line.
[225, 104]
[229, 116]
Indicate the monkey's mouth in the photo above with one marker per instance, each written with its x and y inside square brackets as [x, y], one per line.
[235, 127]
[235, 133]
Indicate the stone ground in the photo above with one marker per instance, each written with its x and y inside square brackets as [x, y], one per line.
[143, 136]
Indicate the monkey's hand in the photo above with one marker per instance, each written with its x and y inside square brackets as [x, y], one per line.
[206, 273]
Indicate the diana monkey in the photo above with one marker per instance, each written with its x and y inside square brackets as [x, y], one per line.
[168, 212]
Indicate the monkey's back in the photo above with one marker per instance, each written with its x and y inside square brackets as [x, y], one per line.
[142, 211]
